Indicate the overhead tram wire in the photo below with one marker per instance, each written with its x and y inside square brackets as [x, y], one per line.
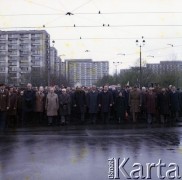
[101, 26]
[43, 5]
[89, 13]
[84, 4]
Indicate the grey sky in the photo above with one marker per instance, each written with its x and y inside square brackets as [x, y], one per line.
[106, 27]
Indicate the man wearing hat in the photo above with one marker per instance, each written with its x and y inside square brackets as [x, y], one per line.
[4, 106]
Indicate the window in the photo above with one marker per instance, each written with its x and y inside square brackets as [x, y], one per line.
[2, 69]
[3, 36]
[2, 47]
[36, 52]
[24, 64]
[14, 52]
[14, 68]
[25, 69]
[13, 63]
[2, 63]
[25, 36]
[2, 58]
[36, 63]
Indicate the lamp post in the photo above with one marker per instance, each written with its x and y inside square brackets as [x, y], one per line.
[140, 43]
[116, 66]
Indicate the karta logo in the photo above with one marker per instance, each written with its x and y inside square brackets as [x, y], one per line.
[118, 169]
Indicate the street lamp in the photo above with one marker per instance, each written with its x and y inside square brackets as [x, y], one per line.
[170, 45]
[150, 56]
[140, 43]
[116, 66]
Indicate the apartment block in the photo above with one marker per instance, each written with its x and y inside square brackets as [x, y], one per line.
[165, 66]
[85, 71]
[24, 57]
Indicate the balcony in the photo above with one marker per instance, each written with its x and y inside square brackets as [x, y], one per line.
[12, 54]
[3, 53]
[35, 65]
[12, 71]
[24, 65]
[34, 48]
[35, 55]
[2, 37]
[3, 42]
[24, 72]
[10, 47]
[3, 49]
[35, 42]
[24, 41]
[36, 58]
[35, 37]
[22, 53]
[13, 64]
[12, 42]
[10, 59]
[13, 36]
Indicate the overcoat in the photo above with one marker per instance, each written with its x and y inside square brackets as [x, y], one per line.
[92, 101]
[163, 101]
[13, 99]
[174, 101]
[105, 99]
[135, 101]
[79, 99]
[151, 101]
[28, 100]
[4, 100]
[64, 104]
[120, 106]
[52, 104]
[39, 102]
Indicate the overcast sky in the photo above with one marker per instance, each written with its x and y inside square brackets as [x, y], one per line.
[159, 21]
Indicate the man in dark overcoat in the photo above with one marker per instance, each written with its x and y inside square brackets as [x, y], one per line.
[92, 104]
[12, 112]
[28, 105]
[64, 104]
[163, 101]
[79, 103]
[105, 103]
[4, 106]
[174, 104]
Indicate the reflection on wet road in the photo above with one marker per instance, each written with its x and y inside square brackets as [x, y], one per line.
[83, 154]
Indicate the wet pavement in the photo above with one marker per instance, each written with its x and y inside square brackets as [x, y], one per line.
[82, 152]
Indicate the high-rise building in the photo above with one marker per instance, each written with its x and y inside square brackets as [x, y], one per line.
[54, 62]
[24, 57]
[165, 66]
[63, 68]
[85, 71]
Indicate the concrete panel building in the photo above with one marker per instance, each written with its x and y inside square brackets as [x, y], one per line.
[24, 57]
[85, 71]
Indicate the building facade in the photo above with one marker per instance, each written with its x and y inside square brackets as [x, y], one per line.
[24, 57]
[165, 66]
[85, 71]
[55, 62]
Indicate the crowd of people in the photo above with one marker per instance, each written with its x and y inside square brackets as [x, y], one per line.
[54, 106]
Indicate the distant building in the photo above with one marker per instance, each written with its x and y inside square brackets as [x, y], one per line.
[165, 66]
[55, 62]
[24, 57]
[85, 71]
[63, 68]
